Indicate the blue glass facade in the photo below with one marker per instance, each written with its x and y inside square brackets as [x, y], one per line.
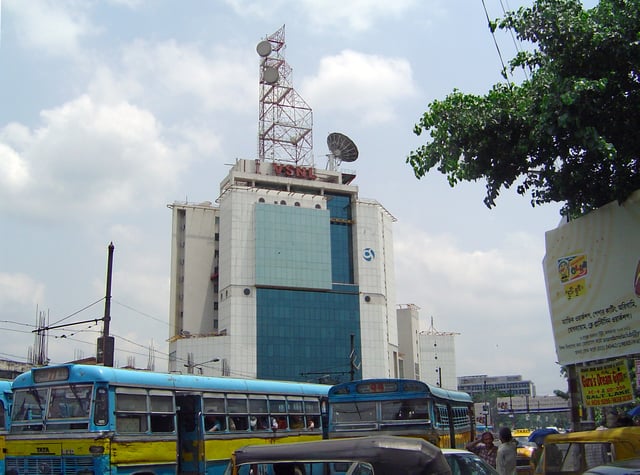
[293, 247]
[303, 334]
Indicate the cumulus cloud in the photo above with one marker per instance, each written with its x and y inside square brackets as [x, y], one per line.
[55, 28]
[90, 157]
[14, 173]
[368, 87]
[221, 79]
[355, 15]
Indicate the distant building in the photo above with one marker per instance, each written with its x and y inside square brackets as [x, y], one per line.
[512, 385]
[438, 357]
[10, 369]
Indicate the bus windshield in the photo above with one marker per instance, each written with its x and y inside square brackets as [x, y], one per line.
[64, 407]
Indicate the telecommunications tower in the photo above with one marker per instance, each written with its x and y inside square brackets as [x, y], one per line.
[285, 119]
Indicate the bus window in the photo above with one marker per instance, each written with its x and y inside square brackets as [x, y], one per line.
[28, 405]
[215, 414]
[312, 414]
[162, 411]
[69, 402]
[2, 419]
[101, 408]
[392, 410]
[364, 411]
[131, 410]
[238, 414]
[296, 413]
[278, 409]
[259, 413]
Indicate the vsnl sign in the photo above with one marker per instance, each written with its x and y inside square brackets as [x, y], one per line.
[292, 171]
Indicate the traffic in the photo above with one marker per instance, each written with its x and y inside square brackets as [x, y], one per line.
[77, 419]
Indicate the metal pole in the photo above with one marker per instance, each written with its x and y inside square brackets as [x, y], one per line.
[574, 397]
[107, 347]
[352, 356]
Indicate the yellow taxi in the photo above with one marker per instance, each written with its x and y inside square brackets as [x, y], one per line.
[524, 450]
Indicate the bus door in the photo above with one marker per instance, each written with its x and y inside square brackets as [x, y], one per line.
[191, 457]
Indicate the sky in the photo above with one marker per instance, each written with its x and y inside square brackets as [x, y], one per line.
[110, 110]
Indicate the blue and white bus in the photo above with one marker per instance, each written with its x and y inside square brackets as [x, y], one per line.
[5, 408]
[401, 407]
[82, 419]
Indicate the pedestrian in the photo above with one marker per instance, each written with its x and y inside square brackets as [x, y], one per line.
[484, 448]
[506, 457]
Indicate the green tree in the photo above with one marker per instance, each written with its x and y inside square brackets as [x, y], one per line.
[569, 132]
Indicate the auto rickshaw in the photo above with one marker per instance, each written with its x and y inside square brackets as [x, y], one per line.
[575, 452]
[375, 455]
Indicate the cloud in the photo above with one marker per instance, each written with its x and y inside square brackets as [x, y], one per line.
[53, 27]
[335, 16]
[222, 80]
[355, 15]
[495, 298]
[89, 158]
[19, 289]
[14, 173]
[369, 87]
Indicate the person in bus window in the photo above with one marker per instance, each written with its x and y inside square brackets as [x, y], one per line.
[215, 426]
[296, 422]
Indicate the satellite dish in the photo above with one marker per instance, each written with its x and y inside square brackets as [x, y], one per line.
[270, 75]
[342, 147]
[264, 48]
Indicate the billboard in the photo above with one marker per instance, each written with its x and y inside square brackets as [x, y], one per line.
[592, 275]
[606, 384]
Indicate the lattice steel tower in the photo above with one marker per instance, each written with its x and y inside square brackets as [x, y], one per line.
[285, 119]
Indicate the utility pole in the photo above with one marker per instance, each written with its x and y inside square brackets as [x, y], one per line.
[106, 342]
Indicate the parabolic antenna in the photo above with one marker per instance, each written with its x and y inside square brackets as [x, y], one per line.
[270, 75]
[264, 48]
[342, 147]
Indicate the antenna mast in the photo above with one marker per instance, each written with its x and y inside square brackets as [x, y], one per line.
[285, 119]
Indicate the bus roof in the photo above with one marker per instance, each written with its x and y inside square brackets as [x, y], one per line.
[126, 377]
[379, 386]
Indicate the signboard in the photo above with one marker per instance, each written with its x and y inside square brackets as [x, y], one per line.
[529, 404]
[605, 385]
[592, 275]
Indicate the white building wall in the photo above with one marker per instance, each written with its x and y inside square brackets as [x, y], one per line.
[409, 340]
[192, 294]
[237, 278]
[375, 277]
[438, 354]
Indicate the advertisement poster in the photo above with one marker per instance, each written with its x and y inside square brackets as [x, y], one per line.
[605, 385]
[592, 275]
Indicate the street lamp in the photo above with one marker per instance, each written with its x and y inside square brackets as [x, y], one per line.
[190, 364]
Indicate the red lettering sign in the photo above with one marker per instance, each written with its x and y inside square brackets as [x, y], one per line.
[307, 173]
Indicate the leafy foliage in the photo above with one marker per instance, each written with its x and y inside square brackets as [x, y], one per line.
[570, 132]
